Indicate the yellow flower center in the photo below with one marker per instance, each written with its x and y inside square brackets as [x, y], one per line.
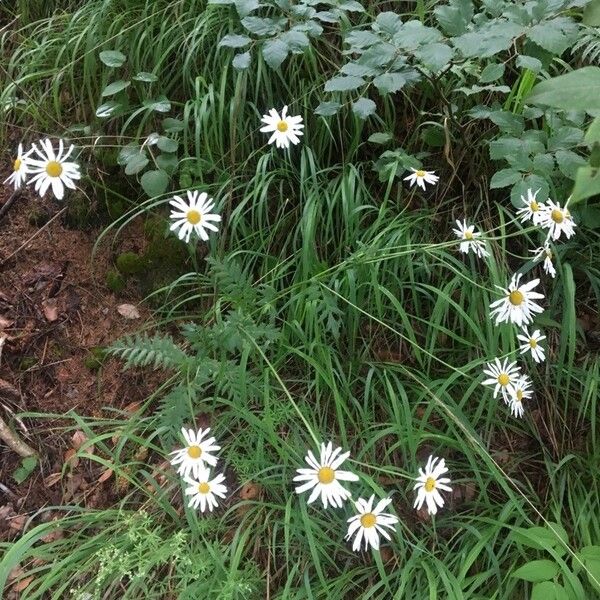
[17, 164]
[533, 343]
[557, 216]
[519, 395]
[516, 298]
[368, 520]
[54, 169]
[430, 484]
[194, 452]
[203, 488]
[194, 217]
[468, 235]
[282, 126]
[534, 206]
[503, 379]
[326, 475]
[420, 173]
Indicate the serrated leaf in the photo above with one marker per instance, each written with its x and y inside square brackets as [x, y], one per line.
[555, 35]
[565, 138]
[145, 77]
[455, 17]
[274, 52]
[107, 109]
[380, 137]
[389, 83]
[112, 58]
[154, 183]
[167, 144]
[262, 26]
[536, 570]
[492, 72]
[508, 122]
[115, 87]
[327, 109]
[568, 162]
[234, 41]
[343, 84]
[364, 108]
[241, 61]
[434, 56]
[577, 90]
[136, 163]
[504, 178]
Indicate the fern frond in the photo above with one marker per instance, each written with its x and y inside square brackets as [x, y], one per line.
[142, 350]
[588, 45]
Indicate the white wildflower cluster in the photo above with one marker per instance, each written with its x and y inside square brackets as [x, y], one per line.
[45, 167]
[519, 304]
[193, 464]
[326, 481]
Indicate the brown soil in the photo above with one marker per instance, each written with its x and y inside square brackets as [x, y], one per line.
[54, 310]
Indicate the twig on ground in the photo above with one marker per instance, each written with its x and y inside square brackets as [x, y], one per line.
[14, 442]
[6, 206]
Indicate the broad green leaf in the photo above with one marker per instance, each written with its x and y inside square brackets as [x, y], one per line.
[508, 122]
[380, 137]
[530, 182]
[591, 14]
[327, 109]
[592, 135]
[327, 16]
[364, 107]
[504, 178]
[492, 72]
[489, 40]
[546, 590]
[538, 537]
[241, 61]
[274, 52]
[171, 125]
[154, 183]
[233, 40]
[577, 90]
[167, 144]
[536, 570]
[159, 105]
[388, 83]
[543, 164]
[28, 464]
[115, 87]
[127, 153]
[358, 70]
[112, 58]
[245, 7]
[263, 26]
[590, 553]
[555, 35]
[351, 6]
[455, 17]
[136, 163]
[414, 34]
[568, 162]
[168, 163]
[565, 138]
[587, 184]
[107, 109]
[529, 62]
[358, 39]
[145, 77]
[296, 41]
[476, 89]
[434, 56]
[343, 84]
[389, 22]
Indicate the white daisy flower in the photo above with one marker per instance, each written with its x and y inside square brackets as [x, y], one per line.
[203, 490]
[517, 305]
[52, 169]
[545, 253]
[531, 343]
[324, 476]
[421, 177]
[520, 391]
[197, 454]
[20, 168]
[429, 484]
[470, 241]
[284, 129]
[369, 523]
[502, 375]
[532, 209]
[193, 215]
[557, 220]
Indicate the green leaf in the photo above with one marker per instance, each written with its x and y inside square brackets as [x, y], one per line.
[297, 41]
[343, 84]
[21, 473]
[555, 36]
[434, 56]
[577, 90]
[548, 590]
[492, 72]
[168, 163]
[543, 164]
[115, 87]
[508, 122]
[488, 40]
[540, 538]
[380, 137]
[587, 184]
[171, 125]
[568, 162]
[530, 182]
[455, 17]
[241, 61]
[234, 41]
[351, 6]
[274, 52]
[161, 105]
[388, 83]
[364, 107]
[592, 135]
[529, 62]
[564, 138]
[145, 77]
[127, 153]
[263, 26]
[136, 163]
[167, 144]
[108, 109]
[591, 14]
[245, 7]
[504, 178]
[537, 570]
[327, 109]
[112, 58]
[154, 183]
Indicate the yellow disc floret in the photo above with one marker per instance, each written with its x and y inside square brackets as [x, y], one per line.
[54, 169]
[194, 452]
[516, 298]
[17, 164]
[193, 217]
[503, 379]
[557, 216]
[203, 488]
[368, 520]
[430, 484]
[326, 475]
[282, 126]
[420, 173]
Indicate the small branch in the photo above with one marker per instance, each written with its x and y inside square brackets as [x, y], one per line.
[14, 442]
[6, 206]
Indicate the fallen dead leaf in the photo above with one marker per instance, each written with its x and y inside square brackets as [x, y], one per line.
[70, 457]
[7, 511]
[18, 522]
[250, 491]
[51, 536]
[52, 479]
[79, 439]
[133, 407]
[105, 475]
[129, 311]
[50, 308]
[20, 585]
